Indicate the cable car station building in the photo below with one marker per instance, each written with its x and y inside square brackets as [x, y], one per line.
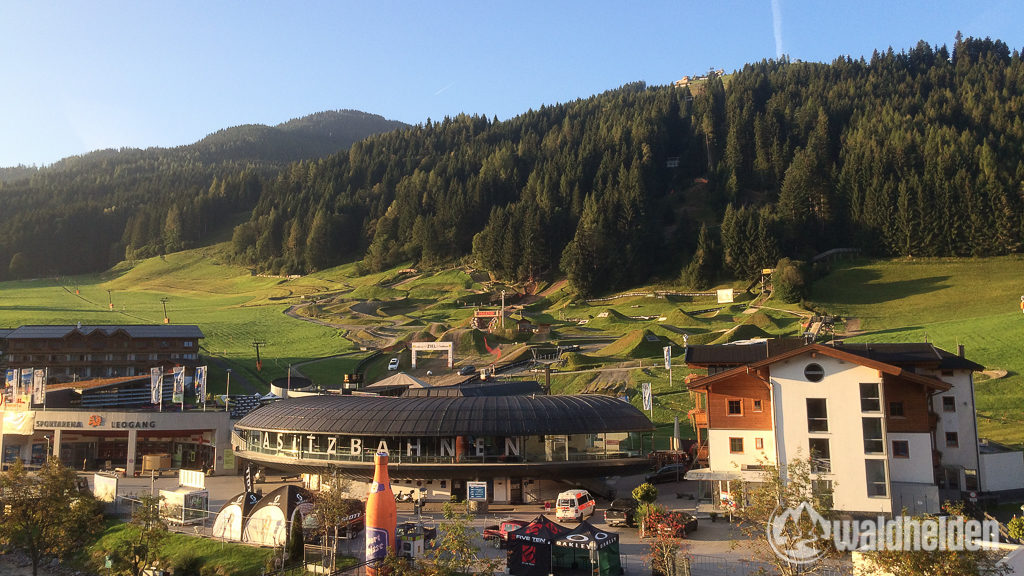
[524, 447]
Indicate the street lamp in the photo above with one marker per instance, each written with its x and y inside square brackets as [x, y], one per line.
[164, 302]
[227, 394]
[47, 438]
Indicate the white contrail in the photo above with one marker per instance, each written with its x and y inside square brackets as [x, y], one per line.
[443, 89]
[777, 24]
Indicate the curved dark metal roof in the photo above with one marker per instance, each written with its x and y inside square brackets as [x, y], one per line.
[449, 416]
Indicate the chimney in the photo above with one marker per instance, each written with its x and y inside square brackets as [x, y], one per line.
[960, 350]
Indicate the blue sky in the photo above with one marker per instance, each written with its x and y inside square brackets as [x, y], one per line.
[79, 76]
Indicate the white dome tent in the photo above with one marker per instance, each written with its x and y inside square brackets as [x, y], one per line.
[232, 516]
[270, 519]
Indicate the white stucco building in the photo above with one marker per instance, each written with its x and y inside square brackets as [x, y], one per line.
[887, 426]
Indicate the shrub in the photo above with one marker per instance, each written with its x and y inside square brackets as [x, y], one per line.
[788, 281]
[645, 493]
[1015, 527]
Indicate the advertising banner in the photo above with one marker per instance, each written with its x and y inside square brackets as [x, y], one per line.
[156, 385]
[25, 387]
[179, 385]
[668, 357]
[21, 423]
[11, 384]
[200, 383]
[648, 402]
[39, 386]
[104, 487]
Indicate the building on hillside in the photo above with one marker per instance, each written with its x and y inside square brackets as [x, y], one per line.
[83, 352]
[888, 426]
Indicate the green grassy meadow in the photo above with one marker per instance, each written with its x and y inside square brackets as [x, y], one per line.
[974, 302]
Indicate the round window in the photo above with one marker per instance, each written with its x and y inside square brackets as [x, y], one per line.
[814, 372]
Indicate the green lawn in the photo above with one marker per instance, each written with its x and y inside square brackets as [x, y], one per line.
[330, 372]
[947, 302]
[180, 549]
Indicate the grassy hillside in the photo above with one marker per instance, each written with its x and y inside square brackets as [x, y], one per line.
[232, 308]
[947, 302]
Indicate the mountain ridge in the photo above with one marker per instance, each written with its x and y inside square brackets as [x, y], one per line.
[314, 135]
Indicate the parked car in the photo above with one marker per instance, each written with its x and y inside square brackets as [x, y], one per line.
[574, 505]
[498, 533]
[676, 523]
[670, 473]
[467, 370]
[393, 364]
[621, 512]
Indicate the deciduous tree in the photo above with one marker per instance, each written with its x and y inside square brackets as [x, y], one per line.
[46, 515]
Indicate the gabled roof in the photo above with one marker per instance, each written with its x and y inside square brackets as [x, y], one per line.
[910, 354]
[825, 350]
[132, 330]
[737, 354]
[400, 380]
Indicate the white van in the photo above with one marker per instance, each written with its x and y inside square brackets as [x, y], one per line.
[574, 505]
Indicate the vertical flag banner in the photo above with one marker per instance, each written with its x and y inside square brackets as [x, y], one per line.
[11, 384]
[200, 383]
[648, 403]
[39, 386]
[26, 382]
[179, 384]
[156, 385]
[668, 357]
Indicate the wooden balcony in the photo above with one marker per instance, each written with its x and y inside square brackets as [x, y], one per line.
[698, 418]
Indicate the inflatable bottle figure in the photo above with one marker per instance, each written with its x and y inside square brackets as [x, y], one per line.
[381, 516]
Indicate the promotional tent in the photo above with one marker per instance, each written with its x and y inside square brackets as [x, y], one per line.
[232, 516]
[270, 519]
[529, 548]
[585, 546]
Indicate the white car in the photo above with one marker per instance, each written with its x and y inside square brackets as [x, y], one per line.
[393, 364]
[575, 505]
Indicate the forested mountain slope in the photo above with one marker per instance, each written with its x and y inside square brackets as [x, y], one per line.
[85, 213]
[910, 153]
[914, 153]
